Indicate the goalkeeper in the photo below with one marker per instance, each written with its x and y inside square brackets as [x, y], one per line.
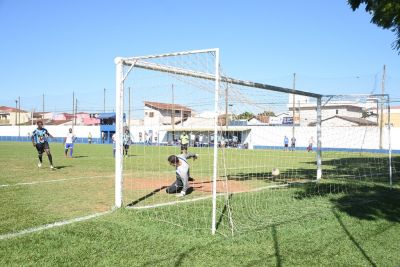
[181, 185]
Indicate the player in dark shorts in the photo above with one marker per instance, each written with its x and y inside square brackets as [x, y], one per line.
[293, 144]
[184, 138]
[39, 141]
[127, 140]
[286, 143]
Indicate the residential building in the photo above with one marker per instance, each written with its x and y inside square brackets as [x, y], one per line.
[344, 121]
[82, 118]
[156, 113]
[13, 116]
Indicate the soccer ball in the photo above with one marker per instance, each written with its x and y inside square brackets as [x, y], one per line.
[275, 172]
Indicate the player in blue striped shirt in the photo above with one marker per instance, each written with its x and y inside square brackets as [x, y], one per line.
[39, 141]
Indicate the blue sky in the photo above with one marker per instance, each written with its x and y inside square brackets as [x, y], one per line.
[56, 47]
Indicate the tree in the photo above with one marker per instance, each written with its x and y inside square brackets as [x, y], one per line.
[245, 116]
[267, 113]
[366, 114]
[385, 14]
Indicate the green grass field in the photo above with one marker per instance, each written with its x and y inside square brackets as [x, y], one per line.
[352, 218]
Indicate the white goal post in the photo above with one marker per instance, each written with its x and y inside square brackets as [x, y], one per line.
[144, 63]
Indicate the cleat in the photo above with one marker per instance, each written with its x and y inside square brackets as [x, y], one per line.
[39, 165]
[52, 167]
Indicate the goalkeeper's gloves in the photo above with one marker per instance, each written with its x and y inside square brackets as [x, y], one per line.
[181, 194]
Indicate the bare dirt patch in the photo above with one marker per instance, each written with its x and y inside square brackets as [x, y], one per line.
[197, 185]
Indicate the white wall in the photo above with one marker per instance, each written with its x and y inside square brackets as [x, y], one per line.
[157, 118]
[56, 131]
[310, 115]
[333, 137]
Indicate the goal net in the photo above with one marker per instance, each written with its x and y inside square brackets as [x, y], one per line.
[259, 155]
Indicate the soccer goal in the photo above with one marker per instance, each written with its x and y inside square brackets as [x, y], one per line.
[254, 150]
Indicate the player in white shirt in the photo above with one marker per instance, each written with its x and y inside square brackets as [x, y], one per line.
[181, 185]
[69, 143]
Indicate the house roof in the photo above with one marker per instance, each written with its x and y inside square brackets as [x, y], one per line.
[328, 106]
[359, 121]
[166, 106]
[11, 109]
[260, 118]
[210, 129]
[59, 122]
[107, 115]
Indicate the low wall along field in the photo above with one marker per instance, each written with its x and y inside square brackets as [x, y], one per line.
[260, 136]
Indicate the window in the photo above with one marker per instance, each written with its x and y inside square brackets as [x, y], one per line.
[337, 112]
[151, 114]
[177, 112]
[146, 113]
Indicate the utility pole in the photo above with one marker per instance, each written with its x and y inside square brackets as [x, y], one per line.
[43, 107]
[73, 107]
[226, 108]
[19, 116]
[382, 98]
[173, 114]
[181, 117]
[129, 107]
[299, 113]
[293, 103]
[76, 108]
[104, 101]
[16, 110]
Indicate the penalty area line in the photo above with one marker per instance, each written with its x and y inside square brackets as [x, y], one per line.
[53, 181]
[53, 225]
[170, 203]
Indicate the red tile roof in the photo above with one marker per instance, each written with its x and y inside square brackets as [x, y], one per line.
[54, 122]
[166, 106]
[10, 109]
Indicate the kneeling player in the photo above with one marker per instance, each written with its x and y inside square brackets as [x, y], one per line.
[181, 185]
[39, 140]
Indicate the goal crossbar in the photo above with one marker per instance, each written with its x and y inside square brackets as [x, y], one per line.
[139, 63]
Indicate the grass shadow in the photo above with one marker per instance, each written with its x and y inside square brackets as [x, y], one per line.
[61, 167]
[359, 200]
[352, 238]
[277, 254]
[224, 211]
[143, 198]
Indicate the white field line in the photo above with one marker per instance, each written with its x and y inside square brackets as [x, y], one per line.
[53, 181]
[206, 197]
[170, 203]
[52, 225]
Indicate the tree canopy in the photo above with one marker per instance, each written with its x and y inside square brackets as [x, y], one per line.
[245, 116]
[385, 14]
[267, 113]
